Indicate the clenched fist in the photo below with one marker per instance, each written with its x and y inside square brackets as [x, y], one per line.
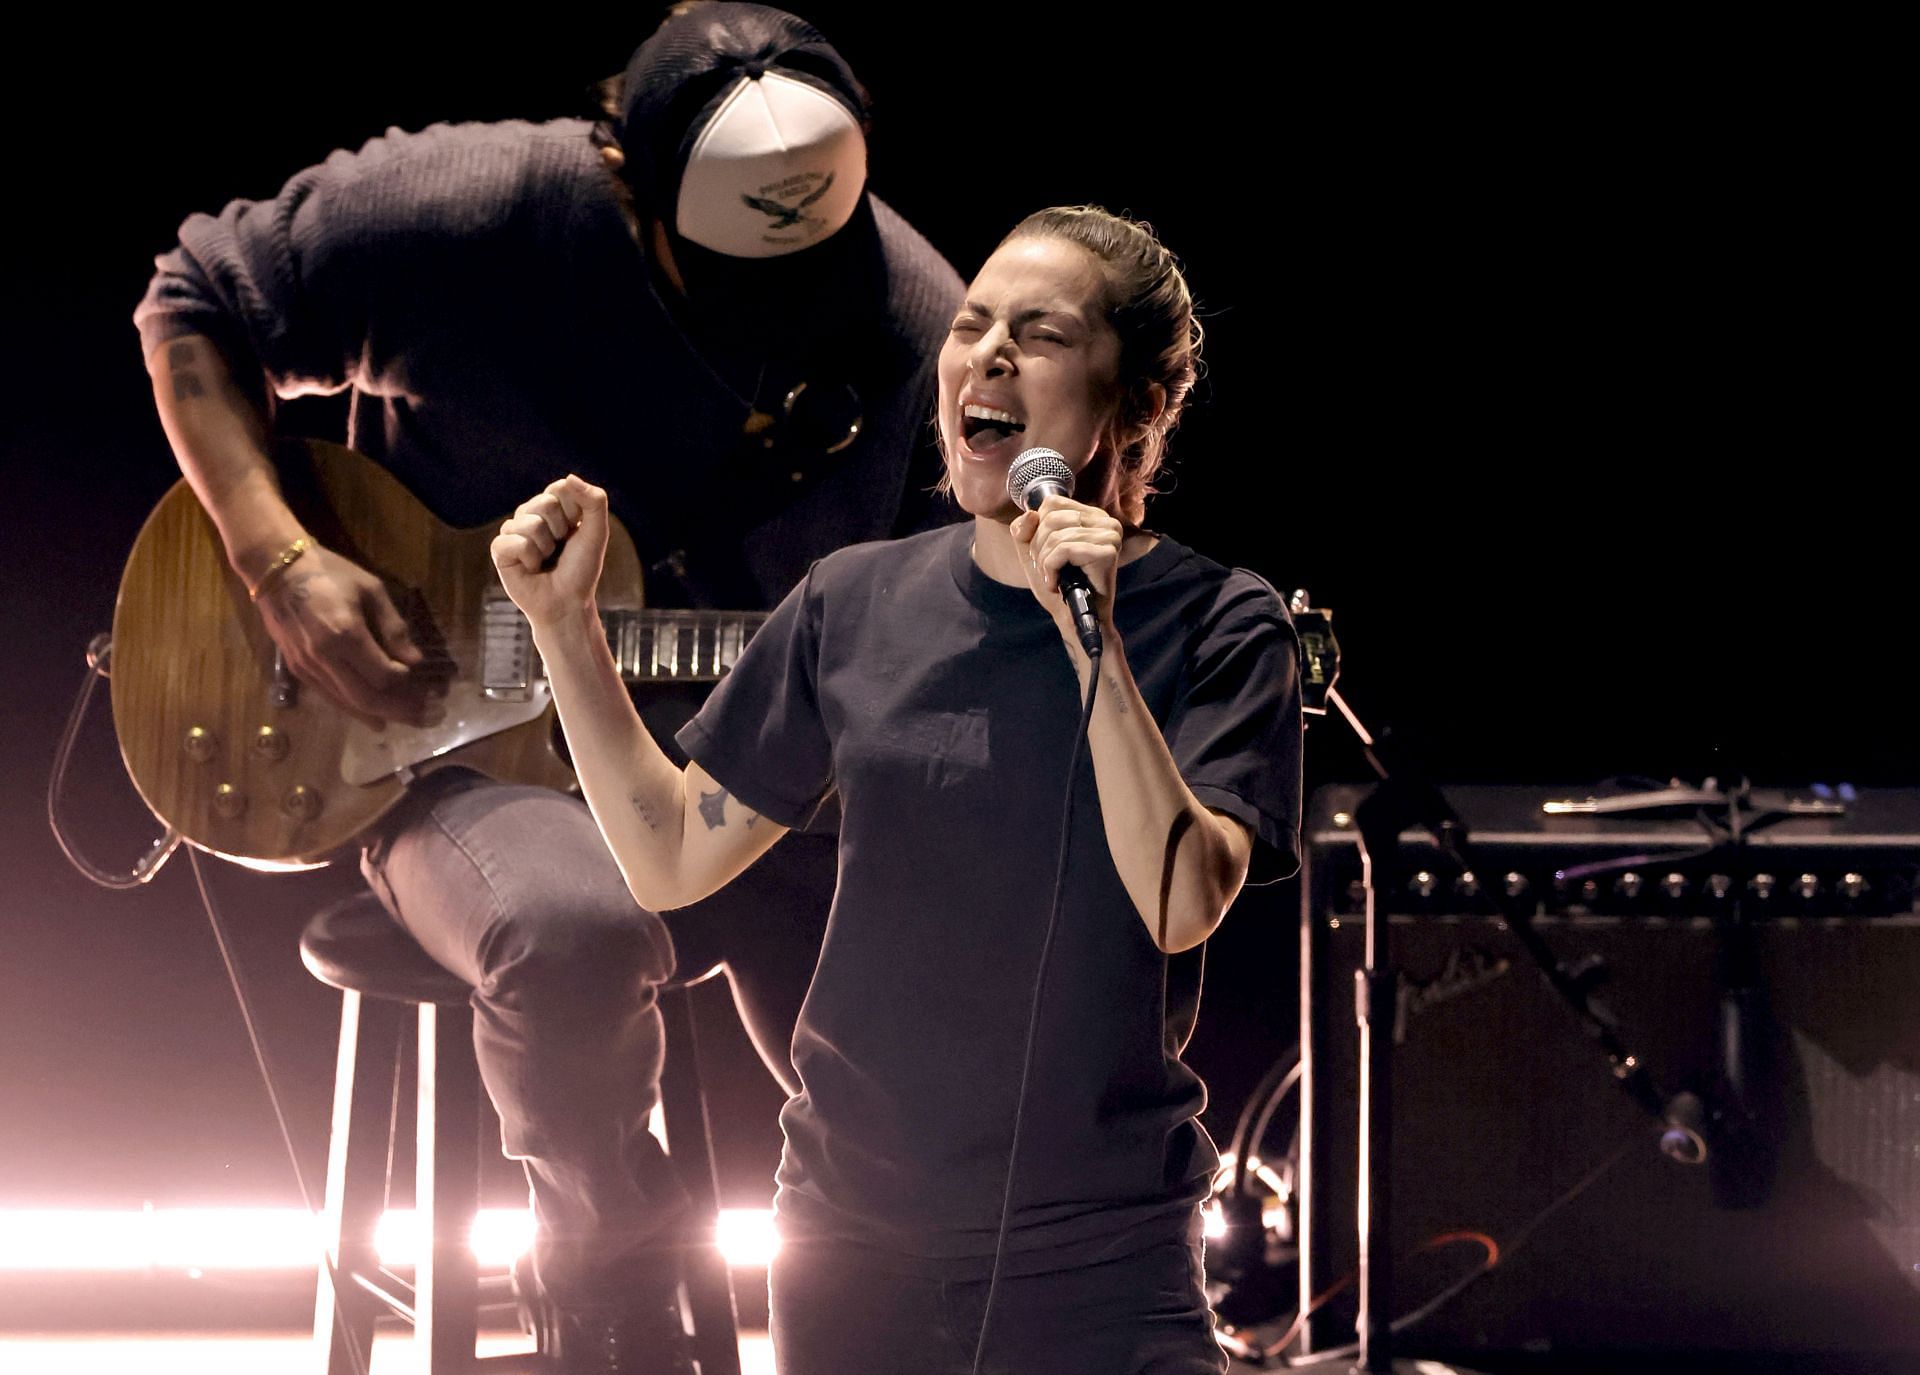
[549, 552]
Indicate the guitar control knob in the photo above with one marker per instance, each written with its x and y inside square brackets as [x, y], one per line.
[1628, 885]
[229, 802]
[1807, 886]
[301, 802]
[1674, 886]
[1468, 884]
[1422, 884]
[1762, 886]
[1855, 886]
[1515, 885]
[1719, 885]
[271, 744]
[199, 744]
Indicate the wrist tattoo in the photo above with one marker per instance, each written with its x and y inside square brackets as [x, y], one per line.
[713, 809]
[187, 385]
[1115, 695]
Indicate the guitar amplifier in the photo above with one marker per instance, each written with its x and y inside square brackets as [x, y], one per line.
[1805, 1239]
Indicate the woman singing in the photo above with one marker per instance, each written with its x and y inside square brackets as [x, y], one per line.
[993, 1163]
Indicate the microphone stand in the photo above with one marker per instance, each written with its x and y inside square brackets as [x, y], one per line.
[1400, 800]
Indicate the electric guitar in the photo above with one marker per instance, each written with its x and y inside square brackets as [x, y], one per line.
[244, 761]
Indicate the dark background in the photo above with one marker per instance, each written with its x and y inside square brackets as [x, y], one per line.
[1550, 358]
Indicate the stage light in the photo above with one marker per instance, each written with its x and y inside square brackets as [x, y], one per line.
[158, 1239]
[746, 1237]
[195, 1240]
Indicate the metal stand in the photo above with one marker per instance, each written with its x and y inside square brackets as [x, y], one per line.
[1393, 806]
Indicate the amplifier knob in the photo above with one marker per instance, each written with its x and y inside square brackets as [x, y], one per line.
[1628, 885]
[271, 744]
[1807, 886]
[229, 802]
[1719, 885]
[1515, 885]
[1855, 886]
[199, 744]
[1762, 886]
[1468, 884]
[1422, 884]
[1674, 886]
[301, 802]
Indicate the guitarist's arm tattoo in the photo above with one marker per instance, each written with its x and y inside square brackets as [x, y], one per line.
[713, 808]
[187, 381]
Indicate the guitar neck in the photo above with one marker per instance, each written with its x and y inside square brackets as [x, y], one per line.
[652, 646]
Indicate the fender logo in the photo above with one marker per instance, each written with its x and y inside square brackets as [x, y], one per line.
[1466, 969]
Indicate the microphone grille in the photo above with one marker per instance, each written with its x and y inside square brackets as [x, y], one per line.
[1034, 468]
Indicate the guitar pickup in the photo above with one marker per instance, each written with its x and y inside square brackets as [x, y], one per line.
[506, 652]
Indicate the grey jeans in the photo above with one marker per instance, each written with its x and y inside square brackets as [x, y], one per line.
[513, 889]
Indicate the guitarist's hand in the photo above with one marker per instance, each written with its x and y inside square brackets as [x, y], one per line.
[550, 550]
[341, 633]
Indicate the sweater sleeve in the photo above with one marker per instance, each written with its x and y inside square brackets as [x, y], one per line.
[323, 283]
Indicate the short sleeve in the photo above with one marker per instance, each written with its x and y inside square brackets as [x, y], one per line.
[1235, 731]
[761, 733]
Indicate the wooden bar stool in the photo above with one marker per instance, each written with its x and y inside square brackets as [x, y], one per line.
[356, 947]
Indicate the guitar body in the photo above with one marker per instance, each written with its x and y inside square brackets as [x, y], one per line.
[251, 766]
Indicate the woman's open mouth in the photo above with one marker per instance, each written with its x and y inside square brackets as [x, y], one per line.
[988, 429]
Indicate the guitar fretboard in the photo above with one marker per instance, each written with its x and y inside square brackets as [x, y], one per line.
[678, 646]
[648, 646]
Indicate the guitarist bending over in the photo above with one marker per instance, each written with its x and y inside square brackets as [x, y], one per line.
[694, 303]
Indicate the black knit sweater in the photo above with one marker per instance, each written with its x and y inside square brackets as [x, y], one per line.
[477, 288]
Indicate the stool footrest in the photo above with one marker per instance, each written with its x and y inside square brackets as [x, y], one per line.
[402, 1306]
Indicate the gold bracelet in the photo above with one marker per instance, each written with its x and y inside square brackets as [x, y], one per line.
[282, 561]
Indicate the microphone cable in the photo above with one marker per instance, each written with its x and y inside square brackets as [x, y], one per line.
[359, 1360]
[1033, 1011]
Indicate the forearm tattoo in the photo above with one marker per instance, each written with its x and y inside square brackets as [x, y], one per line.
[645, 811]
[185, 361]
[713, 808]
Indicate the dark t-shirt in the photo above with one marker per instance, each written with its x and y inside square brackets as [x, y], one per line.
[942, 708]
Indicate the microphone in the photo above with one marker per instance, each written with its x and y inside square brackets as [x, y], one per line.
[1036, 475]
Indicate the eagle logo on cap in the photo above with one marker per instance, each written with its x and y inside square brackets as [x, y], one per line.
[786, 216]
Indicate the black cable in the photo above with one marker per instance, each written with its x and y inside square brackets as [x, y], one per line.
[1033, 1011]
[1461, 1285]
[357, 1358]
[99, 656]
[1251, 1127]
